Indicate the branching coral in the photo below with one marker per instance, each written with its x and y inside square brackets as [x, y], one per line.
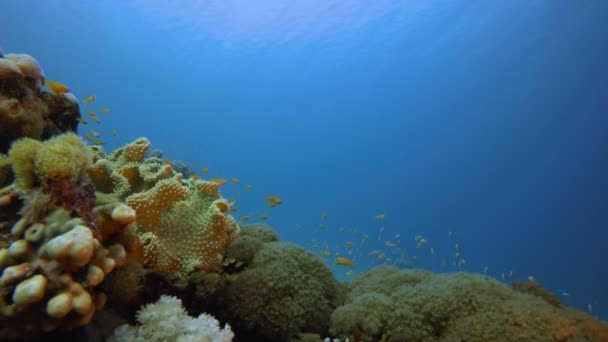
[166, 320]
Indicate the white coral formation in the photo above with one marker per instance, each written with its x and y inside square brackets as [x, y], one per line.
[28, 66]
[166, 320]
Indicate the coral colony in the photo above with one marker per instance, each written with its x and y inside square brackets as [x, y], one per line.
[121, 246]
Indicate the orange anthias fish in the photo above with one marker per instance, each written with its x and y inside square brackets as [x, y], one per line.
[380, 217]
[204, 170]
[57, 87]
[342, 261]
[89, 99]
[105, 110]
[263, 217]
[248, 186]
[273, 201]
[219, 181]
[235, 180]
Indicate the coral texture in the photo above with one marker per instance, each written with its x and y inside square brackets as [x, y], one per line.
[166, 320]
[25, 111]
[184, 221]
[286, 290]
[388, 304]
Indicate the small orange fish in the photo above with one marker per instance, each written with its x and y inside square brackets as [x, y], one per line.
[390, 244]
[99, 142]
[89, 99]
[380, 217]
[248, 187]
[245, 218]
[90, 113]
[325, 253]
[219, 181]
[263, 217]
[105, 110]
[273, 201]
[235, 181]
[83, 121]
[342, 261]
[94, 133]
[95, 119]
[57, 87]
[204, 170]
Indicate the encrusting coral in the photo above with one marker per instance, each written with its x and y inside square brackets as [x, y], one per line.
[25, 110]
[388, 304]
[184, 221]
[63, 245]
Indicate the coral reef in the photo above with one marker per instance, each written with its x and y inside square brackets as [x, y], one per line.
[64, 243]
[184, 221]
[284, 291]
[388, 304]
[25, 110]
[166, 320]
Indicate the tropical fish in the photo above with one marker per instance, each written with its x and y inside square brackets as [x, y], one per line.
[91, 113]
[374, 252]
[321, 226]
[349, 273]
[89, 99]
[273, 201]
[342, 261]
[532, 279]
[105, 110]
[325, 253]
[349, 244]
[248, 187]
[204, 170]
[219, 181]
[432, 251]
[95, 119]
[390, 244]
[83, 121]
[263, 217]
[99, 142]
[235, 181]
[94, 133]
[245, 218]
[380, 217]
[57, 87]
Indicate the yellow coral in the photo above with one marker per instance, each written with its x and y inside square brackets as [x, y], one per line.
[150, 205]
[21, 155]
[5, 166]
[196, 232]
[64, 156]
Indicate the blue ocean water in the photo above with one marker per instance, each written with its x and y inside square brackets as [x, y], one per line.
[477, 123]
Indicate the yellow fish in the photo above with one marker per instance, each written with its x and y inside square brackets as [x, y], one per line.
[83, 121]
[245, 218]
[105, 110]
[95, 119]
[349, 244]
[321, 226]
[325, 253]
[94, 133]
[380, 217]
[235, 180]
[57, 87]
[204, 170]
[89, 99]
[91, 113]
[99, 142]
[273, 201]
[263, 217]
[374, 252]
[219, 181]
[349, 273]
[390, 244]
[248, 187]
[342, 261]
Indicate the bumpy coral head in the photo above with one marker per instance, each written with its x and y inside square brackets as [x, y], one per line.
[29, 67]
[64, 156]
